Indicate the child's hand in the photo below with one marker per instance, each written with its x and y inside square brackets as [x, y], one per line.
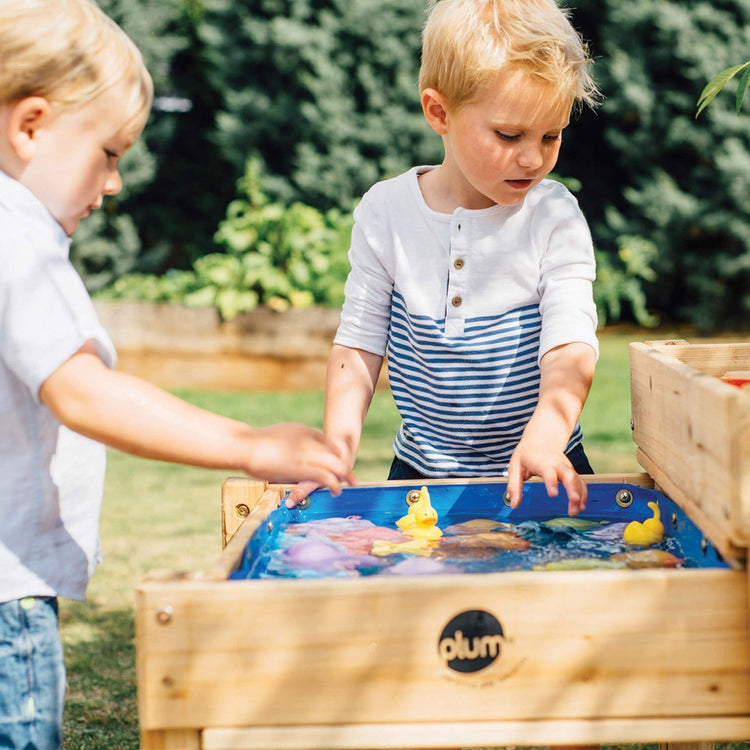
[298, 493]
[291, 452]
[528, 460]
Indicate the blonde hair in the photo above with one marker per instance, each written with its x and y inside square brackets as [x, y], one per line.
[69, 52]
[466, 43]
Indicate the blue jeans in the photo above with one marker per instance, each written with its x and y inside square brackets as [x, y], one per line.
[32, 675]
[577, 456]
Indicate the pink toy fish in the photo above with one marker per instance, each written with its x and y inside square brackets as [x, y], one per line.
[476, 526]
[329, 526]
[360, 541]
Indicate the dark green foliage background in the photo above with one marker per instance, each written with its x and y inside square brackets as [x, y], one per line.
[323, 94]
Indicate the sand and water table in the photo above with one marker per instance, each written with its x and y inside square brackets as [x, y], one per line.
[520, 638]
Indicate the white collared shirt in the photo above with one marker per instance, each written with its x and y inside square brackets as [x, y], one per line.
[51, 479]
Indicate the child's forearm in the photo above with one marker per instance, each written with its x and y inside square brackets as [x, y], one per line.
[567, 372]
[566, 376]
[350, 383]
[129, 414]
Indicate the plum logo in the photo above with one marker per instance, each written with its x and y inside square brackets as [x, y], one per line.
[471, 641]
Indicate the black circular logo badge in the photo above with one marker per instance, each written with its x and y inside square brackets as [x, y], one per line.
[471, 641]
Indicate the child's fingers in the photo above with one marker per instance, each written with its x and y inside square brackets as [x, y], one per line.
[514, 486]
[576, 490]
[298, 493]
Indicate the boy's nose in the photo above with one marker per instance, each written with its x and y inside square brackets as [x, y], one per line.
[113, 184]
[530, 157]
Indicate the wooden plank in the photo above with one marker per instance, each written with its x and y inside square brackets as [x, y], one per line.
[599, 644]
[480, 734]
[173, 739]
[713, 359]
[695, 432]
[231, 557]
[239, 495]
[713, 532]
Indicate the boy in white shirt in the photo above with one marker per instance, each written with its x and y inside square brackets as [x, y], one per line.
[475, 276]
[74, 97]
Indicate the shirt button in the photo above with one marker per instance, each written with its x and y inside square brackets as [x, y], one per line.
[456, 301]
[458, 263]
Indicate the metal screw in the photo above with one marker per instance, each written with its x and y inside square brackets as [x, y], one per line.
[624, 498]
[704, 546]
[164, 615]
[506, 498]
[674, 519]
[269, 526]
[412, 496]
[304, 503]
[241, 510]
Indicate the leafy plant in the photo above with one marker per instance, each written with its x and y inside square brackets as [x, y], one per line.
[620, 280]
[716, 84]
[275, 255]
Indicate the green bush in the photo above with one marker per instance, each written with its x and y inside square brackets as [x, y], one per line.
[275, 255]
[650, 170]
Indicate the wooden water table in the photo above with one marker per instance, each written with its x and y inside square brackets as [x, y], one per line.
[488, 659]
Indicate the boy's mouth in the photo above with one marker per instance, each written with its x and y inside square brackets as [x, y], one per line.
[519, 184]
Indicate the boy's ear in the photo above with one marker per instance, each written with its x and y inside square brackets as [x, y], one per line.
[435, 110]
[26, 119]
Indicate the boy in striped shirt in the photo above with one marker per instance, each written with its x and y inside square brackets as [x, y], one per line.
[475, 276]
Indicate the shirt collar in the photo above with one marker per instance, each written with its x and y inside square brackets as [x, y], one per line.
[22, 201]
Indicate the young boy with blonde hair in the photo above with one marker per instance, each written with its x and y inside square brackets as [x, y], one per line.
[74, 97]
[475, 276]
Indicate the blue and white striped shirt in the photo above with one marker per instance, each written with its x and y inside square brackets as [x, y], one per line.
[465, 305]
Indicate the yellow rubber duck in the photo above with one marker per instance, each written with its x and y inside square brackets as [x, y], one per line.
[421, 519]
[651, 531]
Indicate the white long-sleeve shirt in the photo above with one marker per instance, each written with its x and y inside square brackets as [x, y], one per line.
[465, 305]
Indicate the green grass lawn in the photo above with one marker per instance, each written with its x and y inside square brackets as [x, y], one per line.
[163, 516]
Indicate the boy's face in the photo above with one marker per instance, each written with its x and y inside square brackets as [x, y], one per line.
[75, 157]
[505, 142]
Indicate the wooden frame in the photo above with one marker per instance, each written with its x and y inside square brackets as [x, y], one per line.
[603, 656]
[693, 433]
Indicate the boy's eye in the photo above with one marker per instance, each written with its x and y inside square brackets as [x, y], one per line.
[111, 154]
[507, 136]
[551, 137]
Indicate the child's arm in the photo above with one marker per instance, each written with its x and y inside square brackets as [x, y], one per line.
[566, 375]
[350, 382]
[133, 416]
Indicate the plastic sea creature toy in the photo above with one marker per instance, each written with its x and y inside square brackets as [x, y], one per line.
[322, 557]
[360, 541]
[490, 539]
[648, 558]
[612, 532]
[476, 526]
[650, 531]
[420, 522]
[582, 524]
